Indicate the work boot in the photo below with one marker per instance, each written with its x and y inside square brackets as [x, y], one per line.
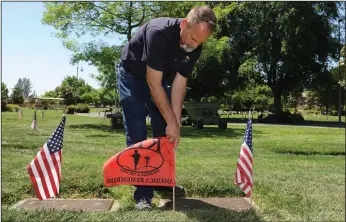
[143, 204]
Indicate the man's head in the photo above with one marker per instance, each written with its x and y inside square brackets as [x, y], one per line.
[196, 28]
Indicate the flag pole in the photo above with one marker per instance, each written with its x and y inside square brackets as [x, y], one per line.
[175, 163]
[251, 205]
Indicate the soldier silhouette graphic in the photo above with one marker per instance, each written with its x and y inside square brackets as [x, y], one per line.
[136, 156]
[146, 161]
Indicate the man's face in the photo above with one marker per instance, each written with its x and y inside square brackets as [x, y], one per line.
[192, 36]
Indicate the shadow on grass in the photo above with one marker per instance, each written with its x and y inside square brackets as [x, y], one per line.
[98, 135]
[187, 131]
[307, 153]
[192, 132]
[319, 123]
[202, 211]
[101, 127]
[22, 146]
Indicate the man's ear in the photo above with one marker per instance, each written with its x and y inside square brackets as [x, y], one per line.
[183, 23]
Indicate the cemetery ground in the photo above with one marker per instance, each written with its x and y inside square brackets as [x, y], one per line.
[299, 172]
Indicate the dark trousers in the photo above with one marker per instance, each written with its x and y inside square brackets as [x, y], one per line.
[135, 99]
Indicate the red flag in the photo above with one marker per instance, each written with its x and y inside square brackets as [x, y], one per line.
[148, 163]
[45, 169]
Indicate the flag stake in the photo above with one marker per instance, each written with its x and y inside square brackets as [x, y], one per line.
[250, 117]
[175, 161]
[174, 198]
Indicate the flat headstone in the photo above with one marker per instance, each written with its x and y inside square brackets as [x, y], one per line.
[67, 204]
[97, 205]
[236, 204]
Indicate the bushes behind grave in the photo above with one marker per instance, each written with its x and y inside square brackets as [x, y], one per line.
[283, 117]
[83, 108]
[3, 105]
[71, 109]
[12, 108]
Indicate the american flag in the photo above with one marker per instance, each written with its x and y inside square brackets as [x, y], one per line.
[45, 169]
[244, 174]
[33, 124]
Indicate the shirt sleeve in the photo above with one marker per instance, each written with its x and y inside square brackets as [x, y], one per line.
[189, 62]
[154, 48]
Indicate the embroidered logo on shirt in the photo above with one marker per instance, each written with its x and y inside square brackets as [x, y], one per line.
[186, 60]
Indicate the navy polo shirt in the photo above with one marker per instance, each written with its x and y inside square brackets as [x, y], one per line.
[157, 44]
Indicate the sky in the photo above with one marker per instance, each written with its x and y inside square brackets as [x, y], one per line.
[30, 51]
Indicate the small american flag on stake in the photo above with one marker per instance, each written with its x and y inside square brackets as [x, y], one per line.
[244, 173]
[45, 169]
[33, 124]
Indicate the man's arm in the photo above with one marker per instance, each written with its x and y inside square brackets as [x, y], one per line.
[154, 79]
[177, 94]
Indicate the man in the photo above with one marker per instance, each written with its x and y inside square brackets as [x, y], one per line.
[161, 47]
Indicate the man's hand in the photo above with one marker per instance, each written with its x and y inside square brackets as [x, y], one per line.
[173, 133]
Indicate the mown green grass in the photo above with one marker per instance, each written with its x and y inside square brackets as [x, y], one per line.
[299, 172]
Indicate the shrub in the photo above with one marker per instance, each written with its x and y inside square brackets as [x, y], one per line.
[3, 105]
[260, 117]
[226, 109]
[83, 108]
[297, 119]
[12, 108]
[209, 99]
[71, 109]
[284, 117]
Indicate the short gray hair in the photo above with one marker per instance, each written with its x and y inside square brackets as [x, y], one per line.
[202, 14]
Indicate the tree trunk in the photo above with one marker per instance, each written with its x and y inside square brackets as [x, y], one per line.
[129, 24]
[277, 102]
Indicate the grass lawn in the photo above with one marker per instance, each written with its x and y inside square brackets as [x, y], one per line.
[299, 172]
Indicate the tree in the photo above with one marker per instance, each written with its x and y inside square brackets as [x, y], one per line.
[213, 73]
[50, 94]
[342, 66]
[104, 19]
[263, 98]
[91, 97]
[67, 93]
[172, 9]
[102, 56]
[19, 84]
[32, 97]
[25, 85]
[107, 96]
[4, 92]
[71, 90]
[95, 18]
[326, 88]
[17, 96]
[275, 33]
[312, 99]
